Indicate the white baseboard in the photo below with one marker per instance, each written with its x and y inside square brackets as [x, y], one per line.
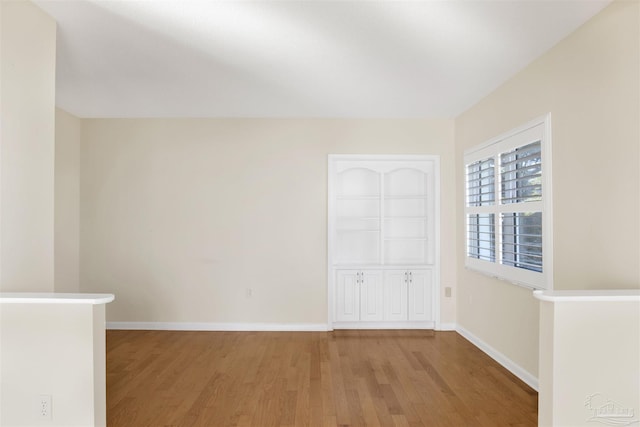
[384, 325]
[446, 327]
[190, 326]
[507, 363]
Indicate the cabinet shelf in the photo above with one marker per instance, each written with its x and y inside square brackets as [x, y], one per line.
[419, 239]
[388, 217]
[401, 197]
[359, 264]
[352, 218]
[377, 197]
[357, 197]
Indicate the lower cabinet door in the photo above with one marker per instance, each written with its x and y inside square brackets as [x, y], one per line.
[389, 295]
[420, 292]
[395, 295]
[347, 296]
[371, 295]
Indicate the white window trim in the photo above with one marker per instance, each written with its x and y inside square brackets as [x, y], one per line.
[512, 139]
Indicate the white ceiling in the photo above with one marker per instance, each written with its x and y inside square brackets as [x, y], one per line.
[297, 58]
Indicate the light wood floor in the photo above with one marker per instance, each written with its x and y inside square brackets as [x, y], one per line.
[341, 378]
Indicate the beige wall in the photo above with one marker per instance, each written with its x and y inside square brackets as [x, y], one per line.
[67, 202]
[589, 82]
[56, 350]
[27, 97]
[582, 356]
[178, 217]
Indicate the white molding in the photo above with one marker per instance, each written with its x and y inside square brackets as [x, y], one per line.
[193, 326]
[547, 219]
[446, 327]
[330, 250]
[610, 295]
[54, 298]
[522, 128]
[384, 325]
[437, 301]
[382, 157]
[503, 360]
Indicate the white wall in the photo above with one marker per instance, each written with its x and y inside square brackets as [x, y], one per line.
[178, 217]
[27, 97]
[589, 82]
[67, 202]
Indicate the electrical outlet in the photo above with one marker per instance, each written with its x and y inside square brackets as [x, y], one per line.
[44, 406]
[447, 292]
[249, 292]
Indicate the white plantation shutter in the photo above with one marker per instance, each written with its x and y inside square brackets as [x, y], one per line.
[522, 240]
[521, 174]
[481, 240]
[508, 218]
[481, 183]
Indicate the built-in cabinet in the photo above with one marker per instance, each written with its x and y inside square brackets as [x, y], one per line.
[383, 240]
[360, 295]
[383, 295]
[413, 286]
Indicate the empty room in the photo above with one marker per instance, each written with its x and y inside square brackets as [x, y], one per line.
[319, 213]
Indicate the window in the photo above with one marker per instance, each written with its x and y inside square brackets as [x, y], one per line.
[508, 213]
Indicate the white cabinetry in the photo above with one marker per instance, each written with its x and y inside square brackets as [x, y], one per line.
[420, 292]
[382, 240]
[395, 295]
[359, 295]
[408, 295]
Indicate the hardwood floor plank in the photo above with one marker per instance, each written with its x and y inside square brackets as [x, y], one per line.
[315, 379]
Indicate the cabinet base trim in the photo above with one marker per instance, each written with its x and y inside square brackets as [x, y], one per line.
[384, 325]
[191, 326]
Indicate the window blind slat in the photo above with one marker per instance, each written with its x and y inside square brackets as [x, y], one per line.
[525, 265]
[522, 253]
[511, 158]
[520, 234]
[529, 178]
[489, 185]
